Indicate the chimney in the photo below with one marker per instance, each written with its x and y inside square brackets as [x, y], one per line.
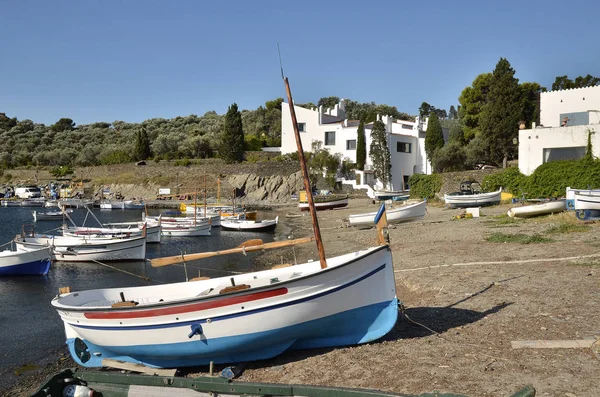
[533, 125]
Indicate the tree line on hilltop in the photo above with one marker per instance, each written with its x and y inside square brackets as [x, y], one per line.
[228, 136]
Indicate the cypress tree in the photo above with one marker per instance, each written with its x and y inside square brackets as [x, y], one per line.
[142, 145]
[232, 138]
[434, 137]
[380, 154]
[501, 114]
[361, 146]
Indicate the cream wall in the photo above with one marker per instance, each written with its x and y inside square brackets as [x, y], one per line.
[555, 103]
[533, 142]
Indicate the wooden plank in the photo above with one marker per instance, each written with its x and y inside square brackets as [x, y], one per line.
[553, 344]
[108, 362]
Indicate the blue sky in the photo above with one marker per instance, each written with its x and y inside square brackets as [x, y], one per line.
[133, 60]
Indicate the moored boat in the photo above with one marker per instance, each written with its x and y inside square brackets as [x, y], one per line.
[526, 211]
[83, 249]
[405, 213]
[185, 229]
[470, 195]
[249, 226]
[50, 215]
[135, 229]
[18, 262]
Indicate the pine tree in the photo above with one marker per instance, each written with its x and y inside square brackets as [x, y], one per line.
[232, 139]
[380, 154]
[501, 114]
[361, 147]
[142, 145]
[452, 114]
[434, 137]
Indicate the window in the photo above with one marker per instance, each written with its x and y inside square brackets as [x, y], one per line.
[301, 127]
[403, 147]
[351, 144]
[564, 153]
[330, 138]
[407, 126]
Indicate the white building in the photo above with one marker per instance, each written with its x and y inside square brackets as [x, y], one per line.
[406, 140]
[566, 116]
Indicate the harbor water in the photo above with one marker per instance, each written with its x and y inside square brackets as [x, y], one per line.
[30, 329]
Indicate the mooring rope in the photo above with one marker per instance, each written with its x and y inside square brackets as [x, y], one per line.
[121, 270]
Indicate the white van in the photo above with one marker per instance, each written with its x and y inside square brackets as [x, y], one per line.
[28, 192]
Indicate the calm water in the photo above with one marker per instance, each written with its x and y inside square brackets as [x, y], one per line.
[30, 328]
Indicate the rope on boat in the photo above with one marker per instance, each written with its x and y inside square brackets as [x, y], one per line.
[121, 270]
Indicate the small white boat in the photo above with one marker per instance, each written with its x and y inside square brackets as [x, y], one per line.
[153, 233]
[50, 215]
[470, 195]
[83, 249]
[15, 263]
[51, 203]
[10, 202]
[526, 211]
[399, 195]
[570, 196]
[325, 203]
[587, 200]
[249, 226]
[405, 213]
[33, 202]
[75, 203]
[213, 219]
[185, 229]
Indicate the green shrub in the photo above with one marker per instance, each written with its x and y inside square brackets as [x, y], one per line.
[425, 186]
[61, 170]
[183, 162]
[253, 158]
[511, 180]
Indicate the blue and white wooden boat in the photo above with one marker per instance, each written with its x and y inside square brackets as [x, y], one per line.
[13, 263]
[405, 213]
[351, 301]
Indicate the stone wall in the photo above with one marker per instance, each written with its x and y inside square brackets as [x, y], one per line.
[452, 180]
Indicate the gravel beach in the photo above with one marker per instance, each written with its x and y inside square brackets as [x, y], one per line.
[469, 287]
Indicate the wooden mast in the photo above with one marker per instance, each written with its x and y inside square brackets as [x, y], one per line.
[205, 213]
[195, 206]
[307, 187]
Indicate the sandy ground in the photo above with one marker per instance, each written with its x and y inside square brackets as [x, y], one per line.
[477, 297]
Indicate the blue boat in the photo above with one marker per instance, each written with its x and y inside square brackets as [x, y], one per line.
[16, 263]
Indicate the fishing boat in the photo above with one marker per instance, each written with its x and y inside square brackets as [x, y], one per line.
[114, 384]
[16, 262]
[405, 213]
[323, 201]
[33, 202]
[527, 211]
[84, 249]
[250, 226]
[470, 195]
[118, 230]
[343, 300]
[383, 195]
[11, 202]
[587, 200]
[188, 228]
[112, 205]
[570, 196]
[50, 215]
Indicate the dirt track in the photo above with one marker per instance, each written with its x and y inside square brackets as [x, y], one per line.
[475, 309]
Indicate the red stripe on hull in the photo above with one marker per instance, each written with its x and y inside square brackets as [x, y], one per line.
[234, 300]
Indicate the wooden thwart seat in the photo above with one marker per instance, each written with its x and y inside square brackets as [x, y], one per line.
[281, 266]
[125, 304]
[234, 288]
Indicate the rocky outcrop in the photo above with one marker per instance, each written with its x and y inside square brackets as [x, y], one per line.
[275, 188]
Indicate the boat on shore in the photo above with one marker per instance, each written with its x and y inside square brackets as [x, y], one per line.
[323, 201]
[18, 262]
[115, 384]
[399, 195]
[470, 195]
[527, 211]
[249, 226]
[405, 213]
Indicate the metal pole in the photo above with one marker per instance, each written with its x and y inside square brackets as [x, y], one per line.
[311, 203]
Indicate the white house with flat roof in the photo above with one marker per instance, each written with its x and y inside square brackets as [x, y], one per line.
[566, 118]
[406, 140]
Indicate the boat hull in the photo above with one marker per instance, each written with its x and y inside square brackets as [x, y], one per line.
[527, 211]
[327, 205]
[181, 230]
[249, 226]
[396, 215]
[153, 233]
[473, 200]
[352, 302]
[587, 200]
[383, 195]
[17, 263]
[72, 249]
